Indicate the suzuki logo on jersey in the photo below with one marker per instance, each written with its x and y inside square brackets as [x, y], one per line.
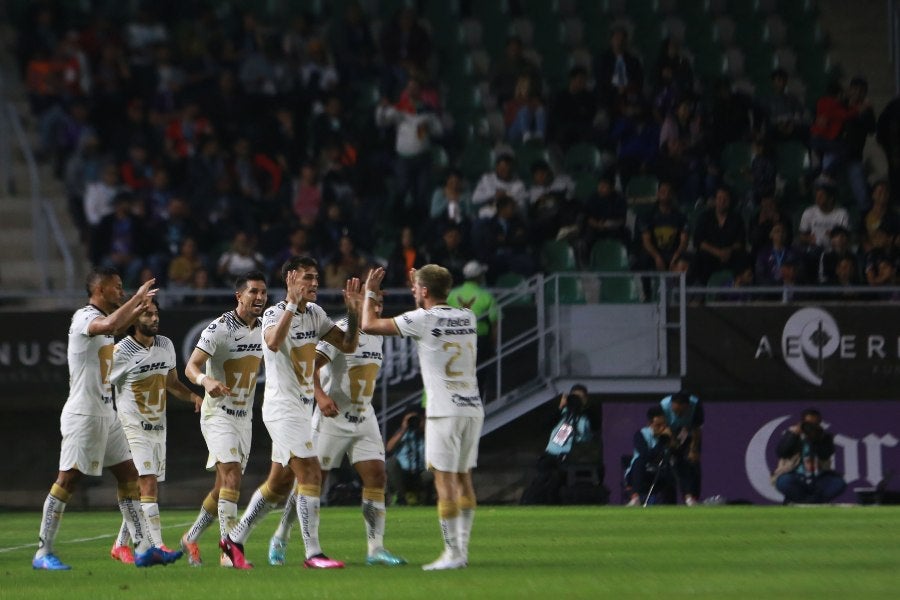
[436, 332]
[248, 348]
[153, 367]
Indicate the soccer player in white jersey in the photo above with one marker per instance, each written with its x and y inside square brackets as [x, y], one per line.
[446, 338]
[92, 437]
[143, 371]
[349, 380]
[230, 350]
[291, 330]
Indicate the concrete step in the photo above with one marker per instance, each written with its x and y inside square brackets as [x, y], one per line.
[15, 212]
[18, 242]
[24, 274]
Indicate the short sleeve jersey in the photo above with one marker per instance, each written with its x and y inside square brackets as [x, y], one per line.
[447, 341]
[139, 375]
[289, 370]
[90, 360]
[235, 351]
[349, 379]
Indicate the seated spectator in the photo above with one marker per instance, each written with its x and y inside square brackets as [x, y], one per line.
[718, 238]
[840, 248]
[573, 431]
[502, 182]
[674, 74]
[818, 220]
[617, 71]
[241, 257]
[773, 256]
[452, 252]
[825, 133]
[119, 240]
[650, 477]
[550, 201]
[663, 233]
[681, 152]
[345, 264]
[503, 241]
[451, 202]
[769, 213]
[184, 264]
[605, 212]
[505, 71]
[786, 119]
[635, 135]
[880, 261]
[524, 114]
[762, 168]
[805, 474]
[409, 480]
[881, 215]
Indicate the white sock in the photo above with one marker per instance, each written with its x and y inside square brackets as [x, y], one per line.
[124, 538]
[151, 512]
[373, 514]
[288, 517]
[466, 518]
[50, 520]
[228, 511]
[308, 513]
[256, 510]
[206, 517]
[136, 523]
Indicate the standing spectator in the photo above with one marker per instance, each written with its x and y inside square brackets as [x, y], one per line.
[825, 132]
[719, 238]
[572, 110]
[416, 125]
[617, 72]
[805, 473]
[857, 128]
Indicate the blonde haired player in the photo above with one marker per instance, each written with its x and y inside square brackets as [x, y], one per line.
[446, 339]
[291, 330]
[230, 350]
[348, 379]
[143, 371]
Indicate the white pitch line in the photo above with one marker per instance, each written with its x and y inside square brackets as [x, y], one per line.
[82, 540]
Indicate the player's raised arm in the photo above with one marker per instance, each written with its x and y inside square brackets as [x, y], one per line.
[371, 322]
[120, 319]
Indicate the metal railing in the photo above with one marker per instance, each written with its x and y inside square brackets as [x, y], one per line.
[45, 223]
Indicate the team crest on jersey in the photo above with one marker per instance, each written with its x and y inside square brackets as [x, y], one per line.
[326, 461]
[309, 445]
[146, 464]
[94, 465]
[233, 451]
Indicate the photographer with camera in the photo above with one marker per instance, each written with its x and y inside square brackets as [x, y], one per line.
[407, 473]
[684, 414]
[571, 434]
[804, 473]
[650, 475]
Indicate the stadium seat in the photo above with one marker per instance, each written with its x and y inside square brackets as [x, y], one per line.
[585, 185]
[571, 291]
[641, 189]
[720, 278]
[608, 255]
[792, 163]
[477, 159]
[557, 255]
[735, 163]
[527, 154]
[582, 158]
[619, 290]
[509, 281]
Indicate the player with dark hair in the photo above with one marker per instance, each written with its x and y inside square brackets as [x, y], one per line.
[92, 436]
[291, 329]
[143, 372]
[684, 414]
[225, 364]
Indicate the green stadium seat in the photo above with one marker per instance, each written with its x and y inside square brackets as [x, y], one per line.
[508, 281]
[609, 255]
[582, 158]
[527, 154]
[585, 185]
[477, 159]
[557, 255]
[641, 189]
[571, 291]
[735, 163]
[619, 290]
[792, 163]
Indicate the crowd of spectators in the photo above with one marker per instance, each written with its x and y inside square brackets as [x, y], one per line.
[199, 139]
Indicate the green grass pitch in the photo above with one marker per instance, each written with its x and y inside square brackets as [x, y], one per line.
[516, 552]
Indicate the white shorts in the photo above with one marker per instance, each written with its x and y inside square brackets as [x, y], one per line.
[148, 450]
[451, 443]
[365, 444]
[91, 443]
[291, 437]
[227, 440]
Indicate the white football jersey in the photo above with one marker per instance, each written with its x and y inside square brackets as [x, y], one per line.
[289, 371]
[90, 360]
[139, 375]
[235, 351]
[349, 379]
[446, 338]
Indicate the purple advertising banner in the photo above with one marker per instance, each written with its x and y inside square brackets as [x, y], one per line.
[739, 440]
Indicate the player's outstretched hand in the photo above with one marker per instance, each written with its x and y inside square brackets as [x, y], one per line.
[145, 290]
[327, 406]
[353, 296]
[295, 287]
[374, 279]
